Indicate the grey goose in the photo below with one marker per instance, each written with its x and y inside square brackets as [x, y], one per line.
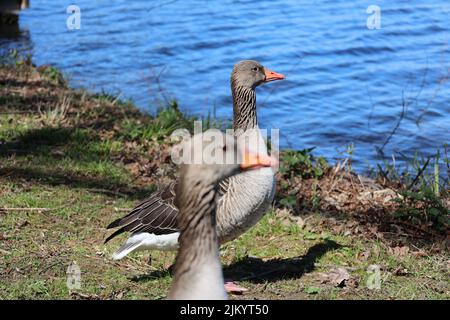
[197, 270]
[243, 200]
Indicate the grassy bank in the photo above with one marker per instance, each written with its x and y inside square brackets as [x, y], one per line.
[71, 162]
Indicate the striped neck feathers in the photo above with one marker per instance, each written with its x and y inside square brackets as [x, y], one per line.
[244, 107]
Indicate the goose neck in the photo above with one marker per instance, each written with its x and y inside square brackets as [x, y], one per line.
[197, 265]
[244, 108]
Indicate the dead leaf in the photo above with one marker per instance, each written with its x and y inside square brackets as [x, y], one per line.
[336, 276]
[352, 282]
[283, 213]
[134, 168]
[338, 229]
[81, 296]
[419, 254]
[57, 153]
[22, 224]
[300, 222]
[400, 271]
[364, 256]
[400, 252]
[4, 236]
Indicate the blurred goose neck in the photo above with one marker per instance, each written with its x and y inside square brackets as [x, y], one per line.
[198, 272]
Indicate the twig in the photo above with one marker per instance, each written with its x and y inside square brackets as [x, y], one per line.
[19, 112]
[360, 181]
[420, 250]
[5, 251]
[384, 174]
[440, 83]
[402, 115]
[259, 275]
[30, 209]
[117, 263]
[335, 181]
[122, 209]
[405, 104]
[412, 226]
[30, 112]
[162, 5]
[331, 266]
[419, 174]
[37, 209]
[51, 266]
[156, 78]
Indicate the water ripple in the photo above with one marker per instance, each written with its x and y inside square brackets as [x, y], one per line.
[344, 82]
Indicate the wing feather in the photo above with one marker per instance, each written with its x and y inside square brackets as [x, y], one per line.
[156, 214]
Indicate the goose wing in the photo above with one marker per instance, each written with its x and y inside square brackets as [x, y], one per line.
[157, 214]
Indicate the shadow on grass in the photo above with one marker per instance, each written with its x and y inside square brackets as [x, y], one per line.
[92, 184]
[11, 102]
[40, 149]
[152, 275]
[258, 271]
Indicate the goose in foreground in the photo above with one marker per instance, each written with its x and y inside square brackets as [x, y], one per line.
[198, 271]
[243, 198]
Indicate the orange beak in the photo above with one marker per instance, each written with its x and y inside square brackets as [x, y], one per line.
[254, 161]
[272, 76]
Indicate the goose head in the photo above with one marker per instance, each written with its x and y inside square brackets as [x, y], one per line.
[250, 74]
[222, 156]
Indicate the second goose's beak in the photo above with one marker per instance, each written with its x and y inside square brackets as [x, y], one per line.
[272, 76]
[254, 161]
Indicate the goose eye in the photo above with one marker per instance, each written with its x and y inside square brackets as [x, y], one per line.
[255, 68]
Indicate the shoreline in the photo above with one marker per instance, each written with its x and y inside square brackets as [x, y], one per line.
[122, 120]
[71, 161]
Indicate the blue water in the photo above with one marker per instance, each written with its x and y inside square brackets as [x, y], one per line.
[345, 83]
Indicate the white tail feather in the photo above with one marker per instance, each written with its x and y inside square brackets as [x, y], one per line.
[125, 250]
[147, 241]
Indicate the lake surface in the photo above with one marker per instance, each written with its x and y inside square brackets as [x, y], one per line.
[345, 83]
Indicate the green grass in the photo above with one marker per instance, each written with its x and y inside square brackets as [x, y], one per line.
[74, 172]
[72, 152]
[302, 163]
[289, 260]
[424, 184]
[165, 122]
[419, 171]
[281, 259]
